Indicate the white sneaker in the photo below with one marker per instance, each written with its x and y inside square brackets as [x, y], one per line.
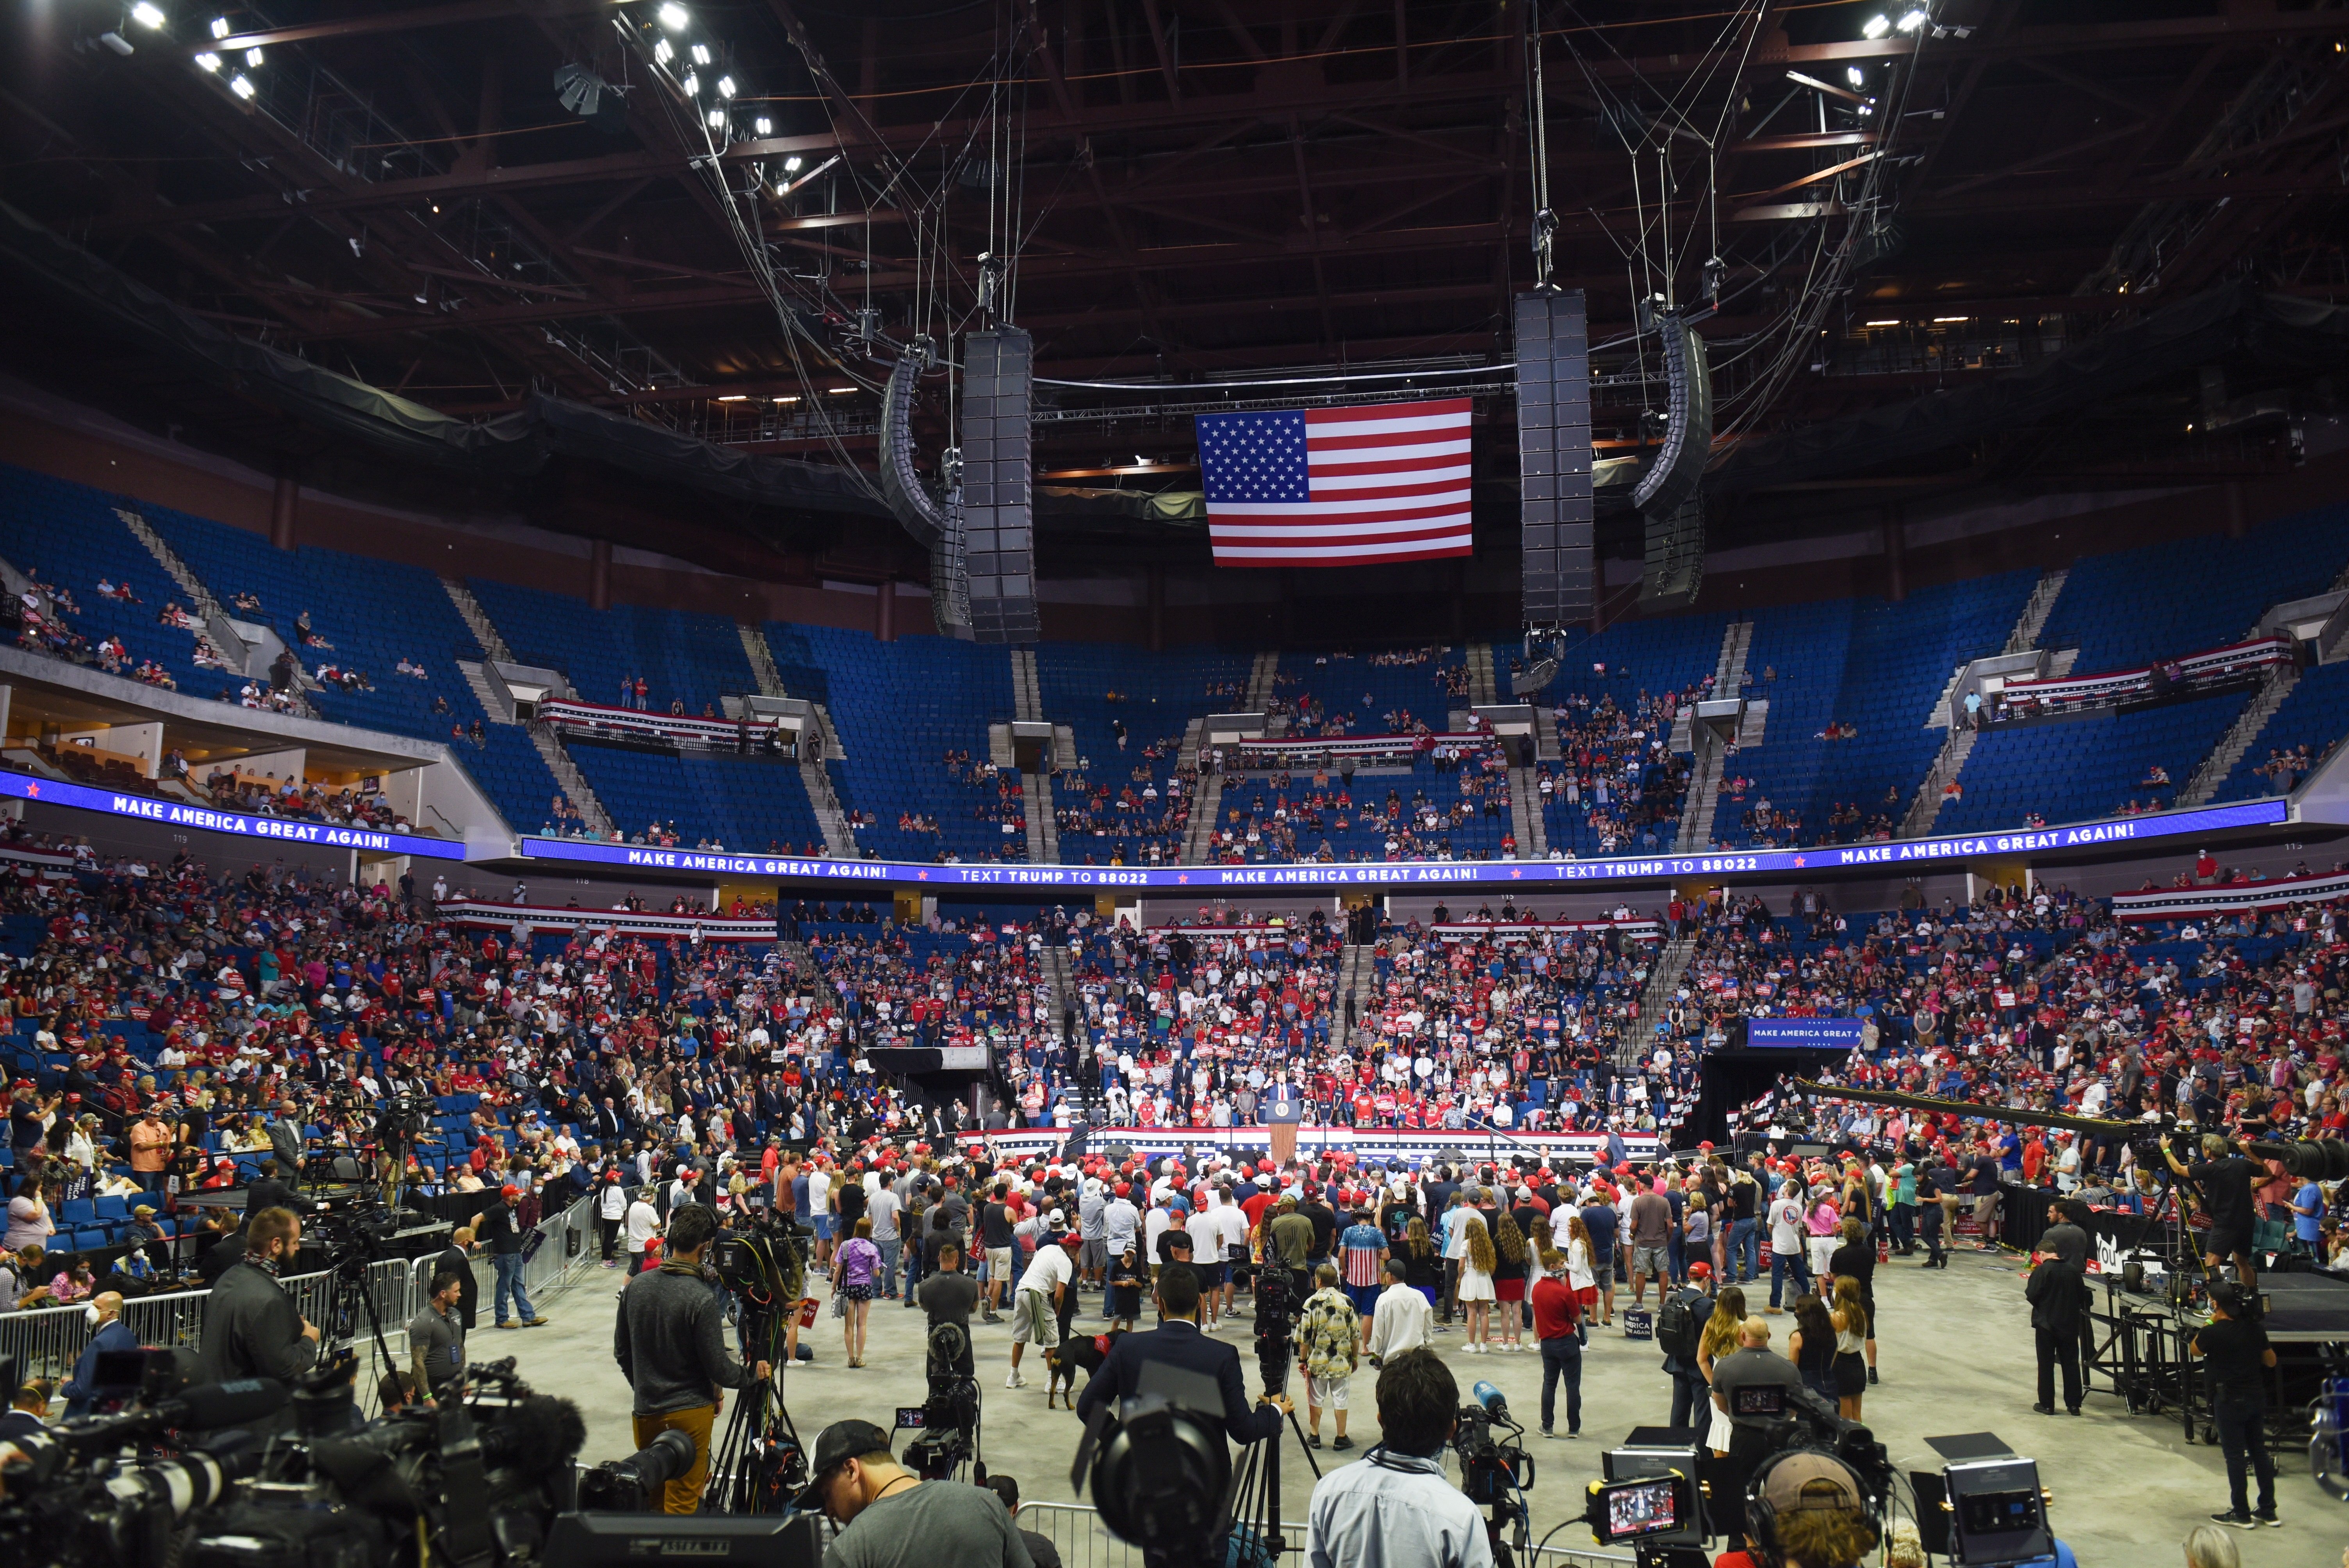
[1015, 1381]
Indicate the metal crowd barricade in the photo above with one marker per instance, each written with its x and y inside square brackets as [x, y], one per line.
[1076, 1531]
[46, 1341]
[566, 1247]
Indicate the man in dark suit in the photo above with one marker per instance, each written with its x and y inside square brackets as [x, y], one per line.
[1178, 1343]
[267, 1192]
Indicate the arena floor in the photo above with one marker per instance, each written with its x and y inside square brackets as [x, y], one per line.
[1956, 1357]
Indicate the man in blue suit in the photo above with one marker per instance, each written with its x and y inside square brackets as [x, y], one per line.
[1178, 1343]
[112, 1334]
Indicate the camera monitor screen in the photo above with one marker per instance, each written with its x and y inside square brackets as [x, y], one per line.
[1643, 1508]
[1764, 1399]
[913, 1416]
[1997, 1513]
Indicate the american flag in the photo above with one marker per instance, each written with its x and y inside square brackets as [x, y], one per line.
[1337, 487]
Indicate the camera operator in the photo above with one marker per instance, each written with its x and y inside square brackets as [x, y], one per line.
[1398, 1506]
[891, 1518]
[1806, 1510]
[2235, 1349]
[267, 1192]
[251, 1329]
[1752, 1365]
[436, 1339]
[948, 1297]
[670, 1342]
[1178, 1343]
[2224, 1178]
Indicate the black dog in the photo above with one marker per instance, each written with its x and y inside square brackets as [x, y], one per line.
[1063, 1360]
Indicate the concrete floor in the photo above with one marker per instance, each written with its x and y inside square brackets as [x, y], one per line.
[1955, 1356]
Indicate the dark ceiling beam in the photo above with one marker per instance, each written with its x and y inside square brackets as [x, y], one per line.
[1120, 237]
[375, 23]
[426, 189]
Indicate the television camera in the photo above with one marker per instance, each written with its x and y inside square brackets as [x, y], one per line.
[760, 1264]
[949, 1418]
[184, 1477]
[1496, 1471]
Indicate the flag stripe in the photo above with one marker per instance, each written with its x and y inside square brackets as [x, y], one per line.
[1324, 486]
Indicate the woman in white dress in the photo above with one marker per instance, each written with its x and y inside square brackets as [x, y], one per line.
[1475, 1290]
[1718, 1338]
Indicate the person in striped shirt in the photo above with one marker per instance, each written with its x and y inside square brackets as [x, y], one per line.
[1362, 1254]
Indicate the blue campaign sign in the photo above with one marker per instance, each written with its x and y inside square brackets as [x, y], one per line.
[206, 819]
[1803, 1034]
[1517, 876]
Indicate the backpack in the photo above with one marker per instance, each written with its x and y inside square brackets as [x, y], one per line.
[1677, 1327]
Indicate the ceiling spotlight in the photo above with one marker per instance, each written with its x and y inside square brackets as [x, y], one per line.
[240, 87]
[1915, 18]
[208, 61]
[839, 389]
[692, 85]
[148, 15]
[424, 298]
[792, 164]
[786, 399]
[1854, 75]
[117, 42]
[701, 54]
[736, 397]
[726, 87]
[765, 125]
[662, 52]
[717, 120]
[253, 56]
[220, 26]
[1876, 25]
[674, 17]
[358, 246]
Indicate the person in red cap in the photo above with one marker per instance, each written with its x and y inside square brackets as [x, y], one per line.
[501, 1232]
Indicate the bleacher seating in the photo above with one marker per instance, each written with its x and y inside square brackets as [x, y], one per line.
[67, 535]
[1869, 664]
[740, 803]
[1157, 695]
[2134, 606]
[2071, 770]
[899, 707]
[1601, 679]
[375, 614]
[2314, 714]
[682, 656]
[1356, 694]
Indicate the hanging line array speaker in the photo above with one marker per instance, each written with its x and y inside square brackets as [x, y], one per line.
[1671, 494]
[998, 489]
[934, 522]
[1557, 578]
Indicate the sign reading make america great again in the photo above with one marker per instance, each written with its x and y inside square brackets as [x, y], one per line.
[1517, 875]
[209, 820]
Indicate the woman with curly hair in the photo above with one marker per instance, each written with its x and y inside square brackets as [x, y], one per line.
[1476, 1283]
[1511, 1263]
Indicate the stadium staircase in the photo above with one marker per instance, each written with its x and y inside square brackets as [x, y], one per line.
[1260, 682]
[2244, 732]
[1206, 795]
[1043, 827]
[1711, 754]
[1526, 815]
[1027, 696]
[208, 609]
[1662, 981]
[1356, 972]
[839, 842]
[543, 740]
[1951, 760]
[1480, 687]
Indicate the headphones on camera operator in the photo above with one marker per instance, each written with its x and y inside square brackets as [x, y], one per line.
[1793, 1483]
